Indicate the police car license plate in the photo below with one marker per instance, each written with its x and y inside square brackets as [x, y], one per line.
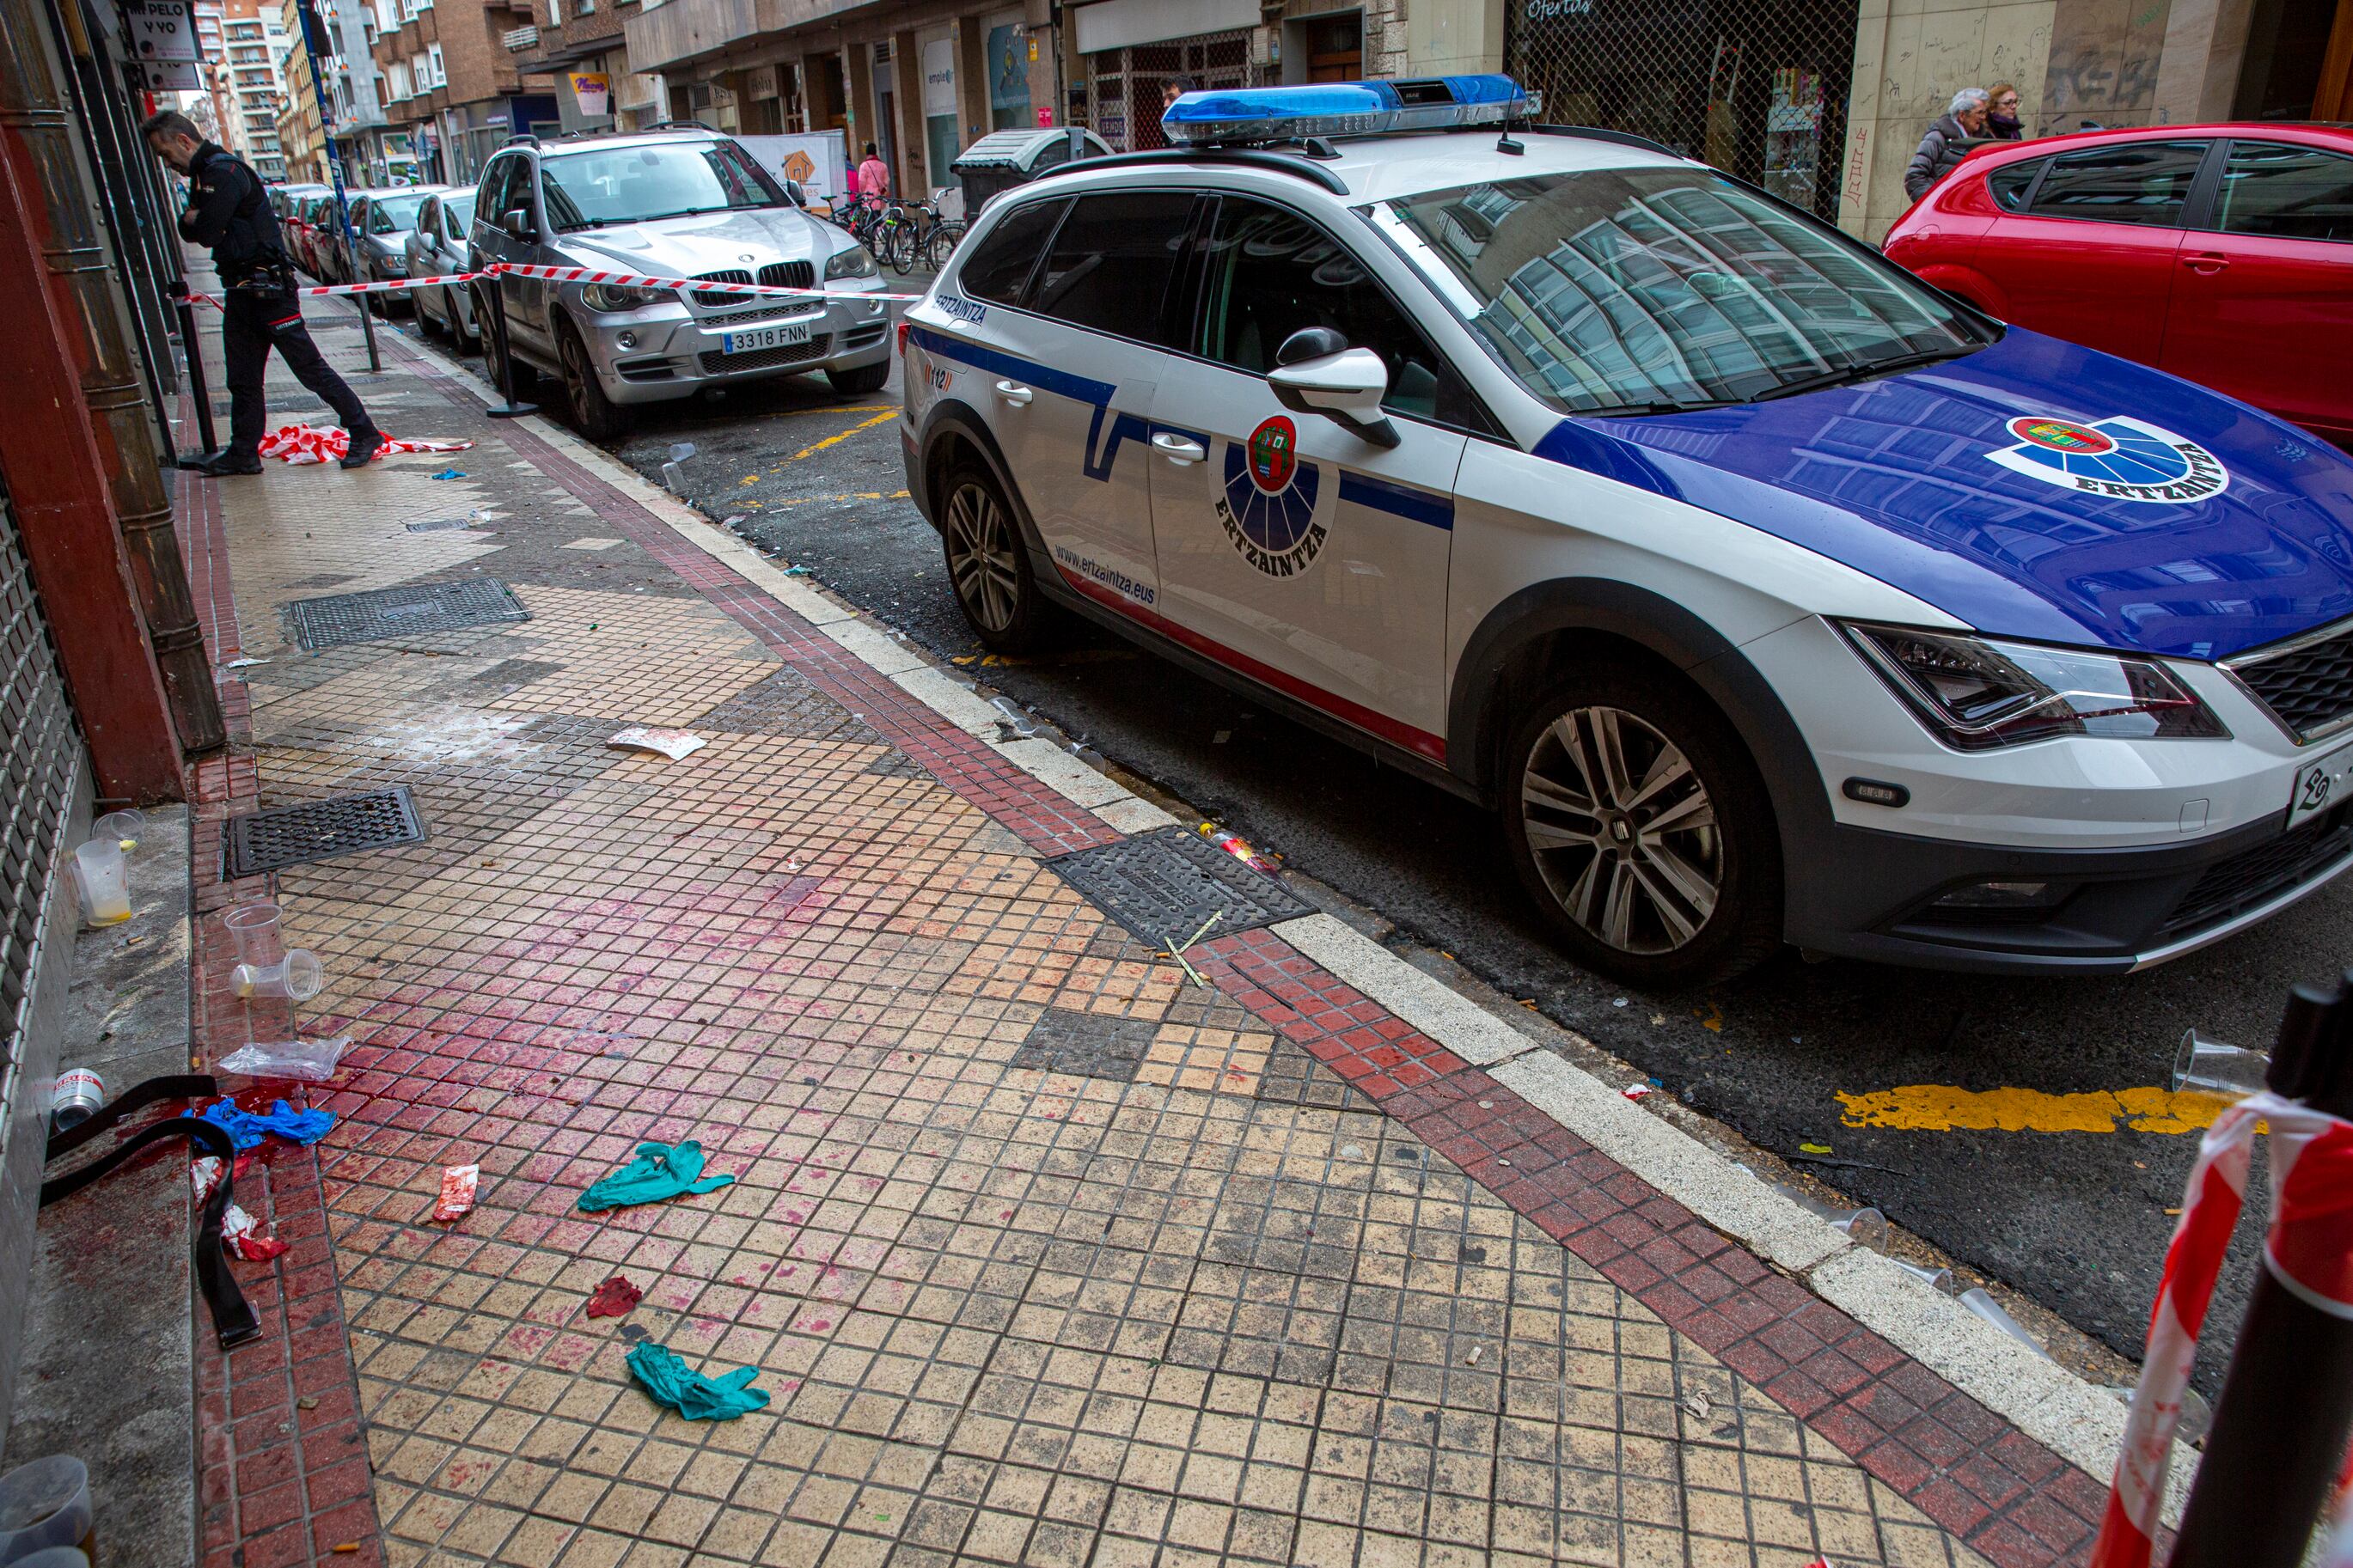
[2319, 784]
[753, 338]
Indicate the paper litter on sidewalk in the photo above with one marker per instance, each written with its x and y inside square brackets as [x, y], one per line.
[675, 744]
[241, 1237]
[457, 1186]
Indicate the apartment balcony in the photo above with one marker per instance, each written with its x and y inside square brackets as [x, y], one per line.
[671, 34]
[517, 39]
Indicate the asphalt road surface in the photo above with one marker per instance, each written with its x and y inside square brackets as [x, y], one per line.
[2075, 1219]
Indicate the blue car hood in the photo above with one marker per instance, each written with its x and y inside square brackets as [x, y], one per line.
[2034, 490]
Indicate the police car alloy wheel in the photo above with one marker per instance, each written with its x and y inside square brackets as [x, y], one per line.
[1635, 825]
[988, 564]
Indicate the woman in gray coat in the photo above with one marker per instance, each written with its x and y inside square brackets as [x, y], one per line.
[1947, 141]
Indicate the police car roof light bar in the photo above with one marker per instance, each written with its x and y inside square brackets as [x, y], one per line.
[1241, 116]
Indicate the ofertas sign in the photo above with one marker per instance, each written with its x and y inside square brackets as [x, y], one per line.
[160, 29]
[592, 90]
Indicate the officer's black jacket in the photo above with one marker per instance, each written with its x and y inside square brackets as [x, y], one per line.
[229, 213]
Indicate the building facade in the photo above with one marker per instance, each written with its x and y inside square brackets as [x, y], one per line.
[452, 90]
[580, 47]
[253, 50]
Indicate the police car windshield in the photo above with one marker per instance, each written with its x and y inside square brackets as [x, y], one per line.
[1638, 290]
[595, 186]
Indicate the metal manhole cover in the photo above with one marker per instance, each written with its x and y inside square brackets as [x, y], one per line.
[1163, 884]
[383, 614]
[320, 830]
[1088, 1045]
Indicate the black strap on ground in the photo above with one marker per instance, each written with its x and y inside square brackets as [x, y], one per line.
[233, 1319]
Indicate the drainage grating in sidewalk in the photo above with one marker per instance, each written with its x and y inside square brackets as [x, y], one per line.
[441, 525]
[1084, 1045]
[1163, 884]
[318, 830]
[383, 614]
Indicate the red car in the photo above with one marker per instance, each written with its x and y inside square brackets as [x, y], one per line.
[2221, 253]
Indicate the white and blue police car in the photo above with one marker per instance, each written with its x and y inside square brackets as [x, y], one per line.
[1767, 593]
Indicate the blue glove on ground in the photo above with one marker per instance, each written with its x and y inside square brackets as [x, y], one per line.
[692, 1395]
[658, 1172]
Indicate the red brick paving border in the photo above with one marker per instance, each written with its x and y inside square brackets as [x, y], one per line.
[278, 1483]
[1968, 1469]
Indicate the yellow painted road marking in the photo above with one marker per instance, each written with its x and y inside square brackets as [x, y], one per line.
[1936, 1108]
[844, 436]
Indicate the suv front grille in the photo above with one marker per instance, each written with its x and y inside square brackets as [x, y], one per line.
[2308, 684]
[775, 275]
[2241, 881]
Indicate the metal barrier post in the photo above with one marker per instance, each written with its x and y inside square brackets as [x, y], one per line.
[178, 291]
[2286, 1409]
[509, 409]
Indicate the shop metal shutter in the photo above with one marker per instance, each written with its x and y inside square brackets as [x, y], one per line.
[40, 757]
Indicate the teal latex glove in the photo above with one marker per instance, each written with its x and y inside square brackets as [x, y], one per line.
[658, 1172]
[692, 1395]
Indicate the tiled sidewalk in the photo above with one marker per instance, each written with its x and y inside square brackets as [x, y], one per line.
[1044, 1254]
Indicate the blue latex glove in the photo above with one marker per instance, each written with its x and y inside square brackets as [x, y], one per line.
[692, 1395]
[658, 1172]
[246, 1129]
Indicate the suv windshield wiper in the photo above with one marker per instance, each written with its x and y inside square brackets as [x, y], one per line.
[1847, 373]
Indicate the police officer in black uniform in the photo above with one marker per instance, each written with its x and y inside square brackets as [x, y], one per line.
[229, 213]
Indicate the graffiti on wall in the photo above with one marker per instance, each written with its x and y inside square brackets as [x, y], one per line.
[2104, 56]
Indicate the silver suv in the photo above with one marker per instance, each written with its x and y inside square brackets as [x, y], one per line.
[685, 203]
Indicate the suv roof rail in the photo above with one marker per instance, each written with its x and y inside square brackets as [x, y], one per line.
[520, 138]
[1293, 163]
[677, 125]
[1597, 133]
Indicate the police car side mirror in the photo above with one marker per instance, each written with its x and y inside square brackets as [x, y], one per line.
[518, 224]
[1346, 387]
[795, 195]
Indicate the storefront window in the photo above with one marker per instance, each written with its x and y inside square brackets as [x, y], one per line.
[1008, 74]
[940, 142]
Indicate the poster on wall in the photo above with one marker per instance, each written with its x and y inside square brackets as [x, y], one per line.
[820, 161]
[1009, 77]
[592, 90]
[160, 29]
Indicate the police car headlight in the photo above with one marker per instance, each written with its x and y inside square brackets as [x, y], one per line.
[1977, 693]
[617, 297]
[855, 261]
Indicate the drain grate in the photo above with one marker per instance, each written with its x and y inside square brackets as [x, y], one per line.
[320, 830]
[1086, 1044]
[441, 525]
[383, 614]
[1163, 884]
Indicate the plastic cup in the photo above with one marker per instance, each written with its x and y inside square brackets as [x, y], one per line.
[43, 1504]
[1865, 1228]
[104, 881]
[299, 977]
[1936, 1277]
[255, 928]
[2210, 1067]
[124, 826]
[1986, 1307]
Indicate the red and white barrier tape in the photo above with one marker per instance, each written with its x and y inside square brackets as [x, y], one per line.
[329, 443]
[589, 274]
[2309, 1250]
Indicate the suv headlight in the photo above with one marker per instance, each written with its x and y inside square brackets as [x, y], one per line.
[855, 261]
[1977, 693]
[620, 297]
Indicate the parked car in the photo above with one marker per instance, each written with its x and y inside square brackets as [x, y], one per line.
[436, 248]
[322, 237]
[294, 222]
[1766, 595]
[381, 222]
[688, 204]
[287, 201]
[2221, 253]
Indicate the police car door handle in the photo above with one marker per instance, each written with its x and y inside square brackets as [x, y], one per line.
[1178, 449]
[1016, 394]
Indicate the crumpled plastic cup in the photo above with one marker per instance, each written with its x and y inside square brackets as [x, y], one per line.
[2210, 1067]
[124, 826]
[297, 976]
[43, 1504]
[104, 881]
